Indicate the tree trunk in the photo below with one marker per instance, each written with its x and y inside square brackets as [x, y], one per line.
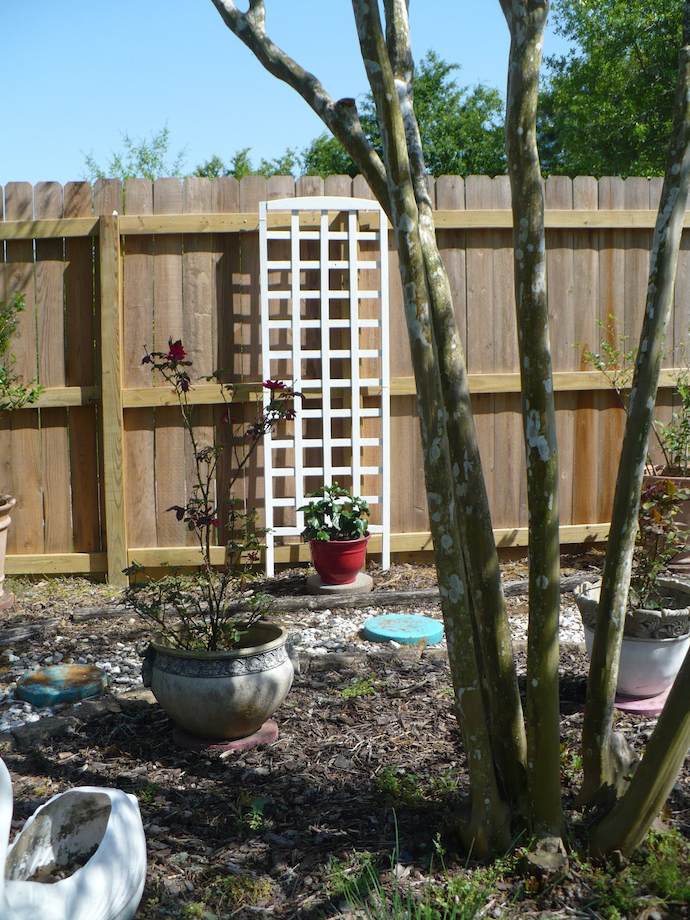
[600, 748]
[626, 826]
[488, 607]
[526, 21]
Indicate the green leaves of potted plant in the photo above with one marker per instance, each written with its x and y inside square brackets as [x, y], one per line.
[657, 625]
[672, 439]
[335, 524]
[217, 672]
[13, 395]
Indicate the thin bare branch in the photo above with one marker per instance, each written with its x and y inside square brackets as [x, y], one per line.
[340, 117]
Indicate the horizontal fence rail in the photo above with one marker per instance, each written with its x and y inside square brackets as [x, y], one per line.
[95, 462]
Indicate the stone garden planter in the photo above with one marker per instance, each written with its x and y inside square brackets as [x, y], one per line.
[654, 641]
[222, 695]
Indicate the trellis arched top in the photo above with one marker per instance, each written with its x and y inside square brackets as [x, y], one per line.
[324, 330]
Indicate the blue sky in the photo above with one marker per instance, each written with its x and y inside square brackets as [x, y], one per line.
[79, 73]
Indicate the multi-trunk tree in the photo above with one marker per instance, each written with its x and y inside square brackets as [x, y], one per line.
[512, 757]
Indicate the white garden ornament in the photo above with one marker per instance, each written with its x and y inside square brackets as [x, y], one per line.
[90, 839]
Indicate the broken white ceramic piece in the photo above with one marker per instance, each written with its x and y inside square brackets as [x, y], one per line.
[81, 856]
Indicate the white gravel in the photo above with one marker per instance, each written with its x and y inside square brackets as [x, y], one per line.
[330, 631]
[326, 631]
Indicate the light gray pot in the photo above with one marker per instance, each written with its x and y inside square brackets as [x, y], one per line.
[654, 645]
[222, 695]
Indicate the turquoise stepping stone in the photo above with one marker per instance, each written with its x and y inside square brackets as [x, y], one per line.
[404, 628]
[62, 683]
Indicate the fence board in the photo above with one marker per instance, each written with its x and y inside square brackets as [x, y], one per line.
[80, 370]
[509, 501]
[169, 324]
[226, 261]
[113, 423]
[107, 200]
[139, 424]
[27, 534]
[585, 305]
[481, 358]
[197, 282]
[253, 189]
[559, 262]
[51, 372]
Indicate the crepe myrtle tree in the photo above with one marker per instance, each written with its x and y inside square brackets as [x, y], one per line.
[513, 757]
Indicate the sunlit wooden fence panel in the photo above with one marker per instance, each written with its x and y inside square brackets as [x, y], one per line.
[108, 271]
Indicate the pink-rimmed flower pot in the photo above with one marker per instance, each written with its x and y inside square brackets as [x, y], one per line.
[338, 561]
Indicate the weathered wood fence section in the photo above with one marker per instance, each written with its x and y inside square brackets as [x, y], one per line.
[97, 462]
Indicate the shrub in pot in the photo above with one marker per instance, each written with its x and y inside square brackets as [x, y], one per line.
[672, 439]
[218, 671]
[336, 525]
[656, 635]
[13, 395]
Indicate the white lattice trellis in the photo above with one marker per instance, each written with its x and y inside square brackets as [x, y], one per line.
[324, 329]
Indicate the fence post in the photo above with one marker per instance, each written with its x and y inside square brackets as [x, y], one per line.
[111, 357]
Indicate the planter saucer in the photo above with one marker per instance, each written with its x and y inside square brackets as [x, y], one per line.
[362, 584]
[267, 734]
[651, 706]
[7, 600]
[405, 629]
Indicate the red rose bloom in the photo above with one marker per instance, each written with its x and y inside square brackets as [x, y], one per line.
[176, 352]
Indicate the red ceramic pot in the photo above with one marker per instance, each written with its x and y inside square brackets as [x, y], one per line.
[338, 561]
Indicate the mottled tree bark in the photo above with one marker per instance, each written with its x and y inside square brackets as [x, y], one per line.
[625, 827]
[489, 816]
[600, 747]
[526, 21]
[425, 287]
[472, 503]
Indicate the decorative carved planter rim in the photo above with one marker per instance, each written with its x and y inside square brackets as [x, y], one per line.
[263, 636]
[670, 622]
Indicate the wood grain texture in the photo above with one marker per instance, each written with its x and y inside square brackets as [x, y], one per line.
[561, 289]
[168, 325]
[139, 424]
[197, 286]
[611, 315]
[226, 297]
[107, 200]
[206, 288]
[113, 429]
[480, 349]
[80, 371]
[509, 504]
[486, 218]
[586, 334]
[26, 533]
[50, 321]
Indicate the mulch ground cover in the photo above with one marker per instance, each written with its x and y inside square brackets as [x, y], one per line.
[368, 768]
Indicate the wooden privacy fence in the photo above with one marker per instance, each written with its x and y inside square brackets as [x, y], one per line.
[96, 463]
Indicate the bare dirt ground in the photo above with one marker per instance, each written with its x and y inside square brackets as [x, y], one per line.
[365, 743]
